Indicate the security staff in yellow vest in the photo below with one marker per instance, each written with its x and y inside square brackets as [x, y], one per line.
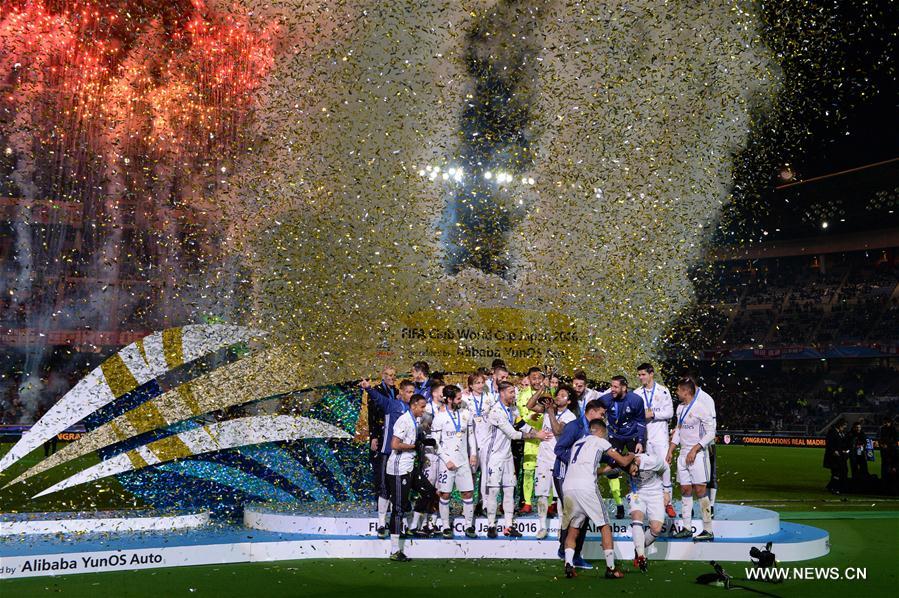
[535, 384]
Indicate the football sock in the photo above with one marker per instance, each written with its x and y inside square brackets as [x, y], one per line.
[713, 492]
[639, 537]
[542, 508]
[610, 558]
[687, 512]
[394, 543]
[508, 506]
[444, 512]
[666, 483]
[650, 538]
[705, 507]
[491, 507]
[383, 505]
[569, 556]
[416, 520]
[468, 511]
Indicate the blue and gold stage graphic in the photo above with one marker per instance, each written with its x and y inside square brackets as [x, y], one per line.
[178, 418]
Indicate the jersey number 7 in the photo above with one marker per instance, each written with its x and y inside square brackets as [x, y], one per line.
[577, 451]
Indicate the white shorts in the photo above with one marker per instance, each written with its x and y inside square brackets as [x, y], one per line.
[579, 505]
[651, 504]
[430, 467]
[698, 473]
[501, 472]
[459, 478]
[543, 480]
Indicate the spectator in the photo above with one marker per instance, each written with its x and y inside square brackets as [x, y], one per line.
[858, 457]
[888, 454]
[835, 452]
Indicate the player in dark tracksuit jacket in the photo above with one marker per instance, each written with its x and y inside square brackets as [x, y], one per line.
[421, 376]
[627, 427]
[376, 427]
[393, 409]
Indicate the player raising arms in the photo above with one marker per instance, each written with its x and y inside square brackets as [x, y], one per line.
[393, 409]
[647, 503]
[582, 499]
[457, 454]
[557, 412]
[500, 467]
[694, 432]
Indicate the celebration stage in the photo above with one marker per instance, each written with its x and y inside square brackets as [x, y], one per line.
[290, 531]
[29, 524]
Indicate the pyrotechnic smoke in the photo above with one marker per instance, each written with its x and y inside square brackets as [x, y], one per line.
[628, 114]
[136, 113]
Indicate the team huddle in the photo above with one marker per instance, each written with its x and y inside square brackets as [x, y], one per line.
[437, 438]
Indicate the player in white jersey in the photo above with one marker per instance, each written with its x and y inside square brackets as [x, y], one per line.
[659, 411]
[647, 503]
[399, 472]
[500, 467]
[582, 497]
[557, 411]
[497, 373]
[480, 401]
[457, 453]
[694, 432]
[582, 394]
[711, 450]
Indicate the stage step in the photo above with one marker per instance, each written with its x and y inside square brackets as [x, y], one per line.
[731, 521]
[16, 524]
[89, 553]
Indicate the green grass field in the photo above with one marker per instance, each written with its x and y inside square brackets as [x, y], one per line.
[864, 533]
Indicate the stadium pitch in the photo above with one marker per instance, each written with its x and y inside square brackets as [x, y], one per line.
[864, 534]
